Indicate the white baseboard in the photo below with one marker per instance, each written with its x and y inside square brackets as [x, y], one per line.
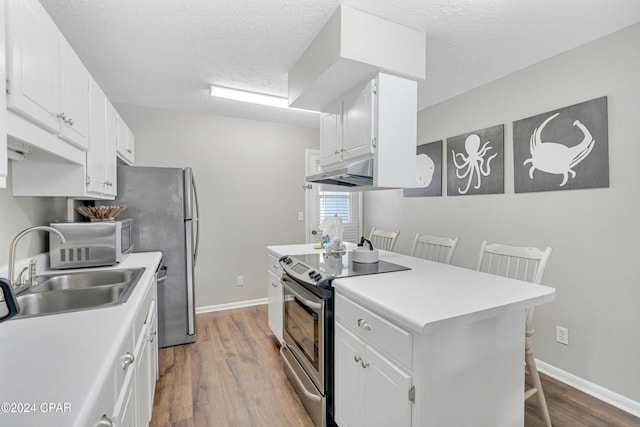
[601, 393]
[229, 306]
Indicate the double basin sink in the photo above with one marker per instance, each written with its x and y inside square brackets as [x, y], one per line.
[73, 291]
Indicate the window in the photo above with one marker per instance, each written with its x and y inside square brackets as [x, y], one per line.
[344, 204]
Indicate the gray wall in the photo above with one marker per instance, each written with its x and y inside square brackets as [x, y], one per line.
[18, 213]
[249, 176]
[594, 233]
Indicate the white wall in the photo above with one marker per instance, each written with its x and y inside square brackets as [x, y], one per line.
[18, 213]
[594, 233]
[249, 175]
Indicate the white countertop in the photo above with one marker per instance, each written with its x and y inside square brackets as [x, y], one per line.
[431, 294]
[41, 356]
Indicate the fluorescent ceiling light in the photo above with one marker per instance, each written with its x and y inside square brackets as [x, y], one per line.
[246, 96]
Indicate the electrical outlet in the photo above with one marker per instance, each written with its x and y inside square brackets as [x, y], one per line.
[562, 335]
[300, 216]
[240, 280]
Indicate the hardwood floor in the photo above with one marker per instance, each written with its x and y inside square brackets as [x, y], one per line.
[232, 377]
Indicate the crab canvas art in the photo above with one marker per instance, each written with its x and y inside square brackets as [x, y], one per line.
[562, 149]
[475, 162]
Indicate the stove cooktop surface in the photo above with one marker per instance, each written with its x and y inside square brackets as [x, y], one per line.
[340, 265]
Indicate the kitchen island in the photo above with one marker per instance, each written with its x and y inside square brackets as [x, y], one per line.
[436, 345]
[85, 367]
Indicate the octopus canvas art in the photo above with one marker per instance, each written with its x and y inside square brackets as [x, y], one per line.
[472, 166]
[475, 162]
[562, 149]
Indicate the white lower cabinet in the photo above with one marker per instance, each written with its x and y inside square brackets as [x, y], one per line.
[275, 296]
[134, 372]
[124, 414]
[373, 363]
[370, 390]
[145, 369]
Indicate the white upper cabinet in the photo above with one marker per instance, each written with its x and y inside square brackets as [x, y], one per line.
[33, 63]
[101, 156]
[74, 98]
[110, 155]
[96, 167]
[378, 121]
[56, 111]
[47, 84]
[330, 138]
[95, 179]
[358, 124]
[125, 147]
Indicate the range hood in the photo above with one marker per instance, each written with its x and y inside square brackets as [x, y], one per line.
[358, 174]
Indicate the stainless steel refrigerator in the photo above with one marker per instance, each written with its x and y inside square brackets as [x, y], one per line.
[163, 203]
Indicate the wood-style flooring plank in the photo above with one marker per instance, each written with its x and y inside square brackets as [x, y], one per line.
[232, 377]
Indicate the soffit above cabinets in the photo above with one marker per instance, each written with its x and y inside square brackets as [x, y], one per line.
[352, 48]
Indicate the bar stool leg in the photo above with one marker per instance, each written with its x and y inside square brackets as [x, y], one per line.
[537, 384]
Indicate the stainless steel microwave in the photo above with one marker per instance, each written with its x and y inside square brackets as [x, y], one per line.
[90, 244]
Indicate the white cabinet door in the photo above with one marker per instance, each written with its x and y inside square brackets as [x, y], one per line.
[275, 297]
[111, 139]
[96, 154]
[124, 413]
[33, 63]
[370, 390]
[330, 139]
[387, 392]
[131, 146]
[101, 155]
[349, 378]
[74, 97]
[358, 124]
[145, 379]
[124, 141]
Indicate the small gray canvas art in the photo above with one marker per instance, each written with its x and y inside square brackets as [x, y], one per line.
[475, 162]
[428, 171]
[563, 149]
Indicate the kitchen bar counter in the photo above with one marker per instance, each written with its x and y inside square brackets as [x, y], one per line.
[53, 368]
[432, 294]
[436, 345]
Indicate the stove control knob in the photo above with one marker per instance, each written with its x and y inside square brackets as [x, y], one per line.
[312, 273]
[317, 277]
[287, 260]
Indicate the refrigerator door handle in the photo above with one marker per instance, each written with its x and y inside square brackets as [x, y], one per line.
[188, 225]
[196, 219]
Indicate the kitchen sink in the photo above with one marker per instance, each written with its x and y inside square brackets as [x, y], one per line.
[85, 279]
[67, 292]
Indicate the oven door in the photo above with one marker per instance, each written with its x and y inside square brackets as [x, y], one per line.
[303, 329]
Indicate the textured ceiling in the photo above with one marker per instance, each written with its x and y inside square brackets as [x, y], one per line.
[165, 53]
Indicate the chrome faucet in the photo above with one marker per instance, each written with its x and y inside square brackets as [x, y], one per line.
[12, 256]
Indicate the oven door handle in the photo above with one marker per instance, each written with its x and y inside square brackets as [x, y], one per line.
[308, 303]
[306, 392]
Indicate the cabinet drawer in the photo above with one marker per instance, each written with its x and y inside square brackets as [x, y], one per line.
[382, 334]
[273, 265]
